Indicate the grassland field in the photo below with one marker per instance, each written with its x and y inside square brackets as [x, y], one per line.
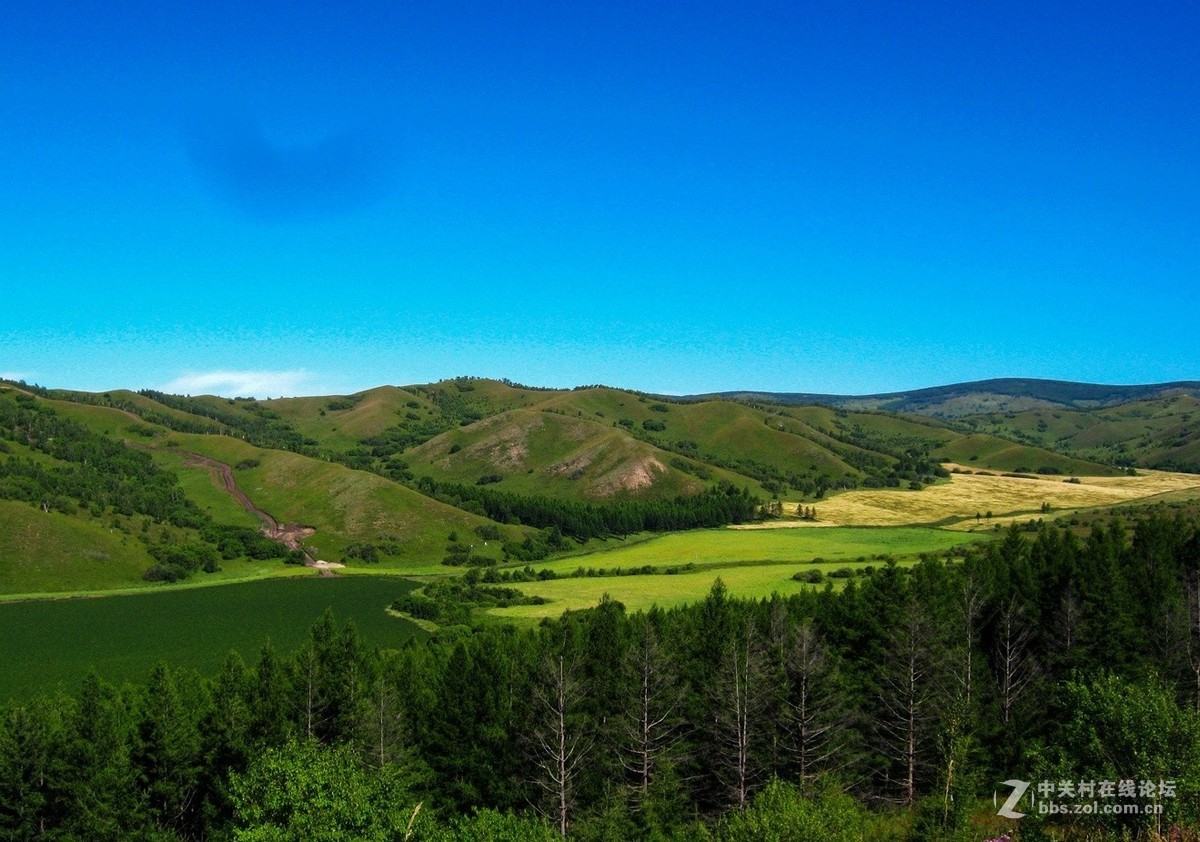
[863, 524]
[726, 546]
[50, 643]
[752, 564]
[955, 503]
[640, 593]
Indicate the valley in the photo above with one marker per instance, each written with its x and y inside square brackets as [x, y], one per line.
[401, 481]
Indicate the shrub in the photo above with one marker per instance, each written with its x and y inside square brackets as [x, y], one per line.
[780, 811]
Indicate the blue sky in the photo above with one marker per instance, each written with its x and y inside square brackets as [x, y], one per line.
[306, 197]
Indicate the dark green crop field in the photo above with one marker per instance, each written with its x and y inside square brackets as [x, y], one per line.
[53, 642]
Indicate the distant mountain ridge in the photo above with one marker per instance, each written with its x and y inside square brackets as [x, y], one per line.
[1008, 394]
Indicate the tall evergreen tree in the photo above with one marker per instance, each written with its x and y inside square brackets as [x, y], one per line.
[31, 739]
[167, 757]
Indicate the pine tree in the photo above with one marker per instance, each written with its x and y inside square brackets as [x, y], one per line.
[31, 738]
[168, 753]
[226, 734]
[98, 785]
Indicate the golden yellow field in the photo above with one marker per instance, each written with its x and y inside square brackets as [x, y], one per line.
[955, 503]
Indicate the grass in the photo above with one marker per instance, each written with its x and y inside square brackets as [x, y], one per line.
[203, 488]
[996, 454]
[726, 546]
[965, 494]
[721, 428]
[343, 505]
[752, 563]
[639, 593]
[341, 429]
[45, 644]
[50, 551]
[103, 419]
[549, 454]
[1162, 431]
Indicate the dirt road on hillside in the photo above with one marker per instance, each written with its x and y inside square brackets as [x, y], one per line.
[288, 534]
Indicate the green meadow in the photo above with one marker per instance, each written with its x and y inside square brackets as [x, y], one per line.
[723, 546]
[753, 563]
[49, 643]
[638, 593]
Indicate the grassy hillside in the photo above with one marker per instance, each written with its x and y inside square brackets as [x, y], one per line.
[344, 506]
[996, 454]
[731, 435]
[654, 448]
[52, 552]
[541, 452]
[1161, 433]
[88, 534]
[349, 468]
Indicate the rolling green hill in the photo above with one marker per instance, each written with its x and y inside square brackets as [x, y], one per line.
[1161, 433]
[94, 495]
[399, 477]
[542, 452]
[598, 442]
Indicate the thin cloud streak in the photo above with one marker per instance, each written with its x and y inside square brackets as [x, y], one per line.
[240, 384]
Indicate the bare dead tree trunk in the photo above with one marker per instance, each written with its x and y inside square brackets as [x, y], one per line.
[1192, 646]
[559, 744]
[740, 699]
[308, 666]
[816, 713]
[385, 731]
[650, 731]
[969, 610]
[1015, 667]
[906, 701]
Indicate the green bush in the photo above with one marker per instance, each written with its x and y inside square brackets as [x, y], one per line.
[781, 814]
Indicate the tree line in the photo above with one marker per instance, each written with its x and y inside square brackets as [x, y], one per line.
[94, 473]
[720, 505]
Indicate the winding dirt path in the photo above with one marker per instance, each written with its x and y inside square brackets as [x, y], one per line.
[288, 534]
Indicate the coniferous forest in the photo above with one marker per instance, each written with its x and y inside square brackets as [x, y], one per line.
[891, 709]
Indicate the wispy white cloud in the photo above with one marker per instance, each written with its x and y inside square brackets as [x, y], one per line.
[15, 375]
[241, 384]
